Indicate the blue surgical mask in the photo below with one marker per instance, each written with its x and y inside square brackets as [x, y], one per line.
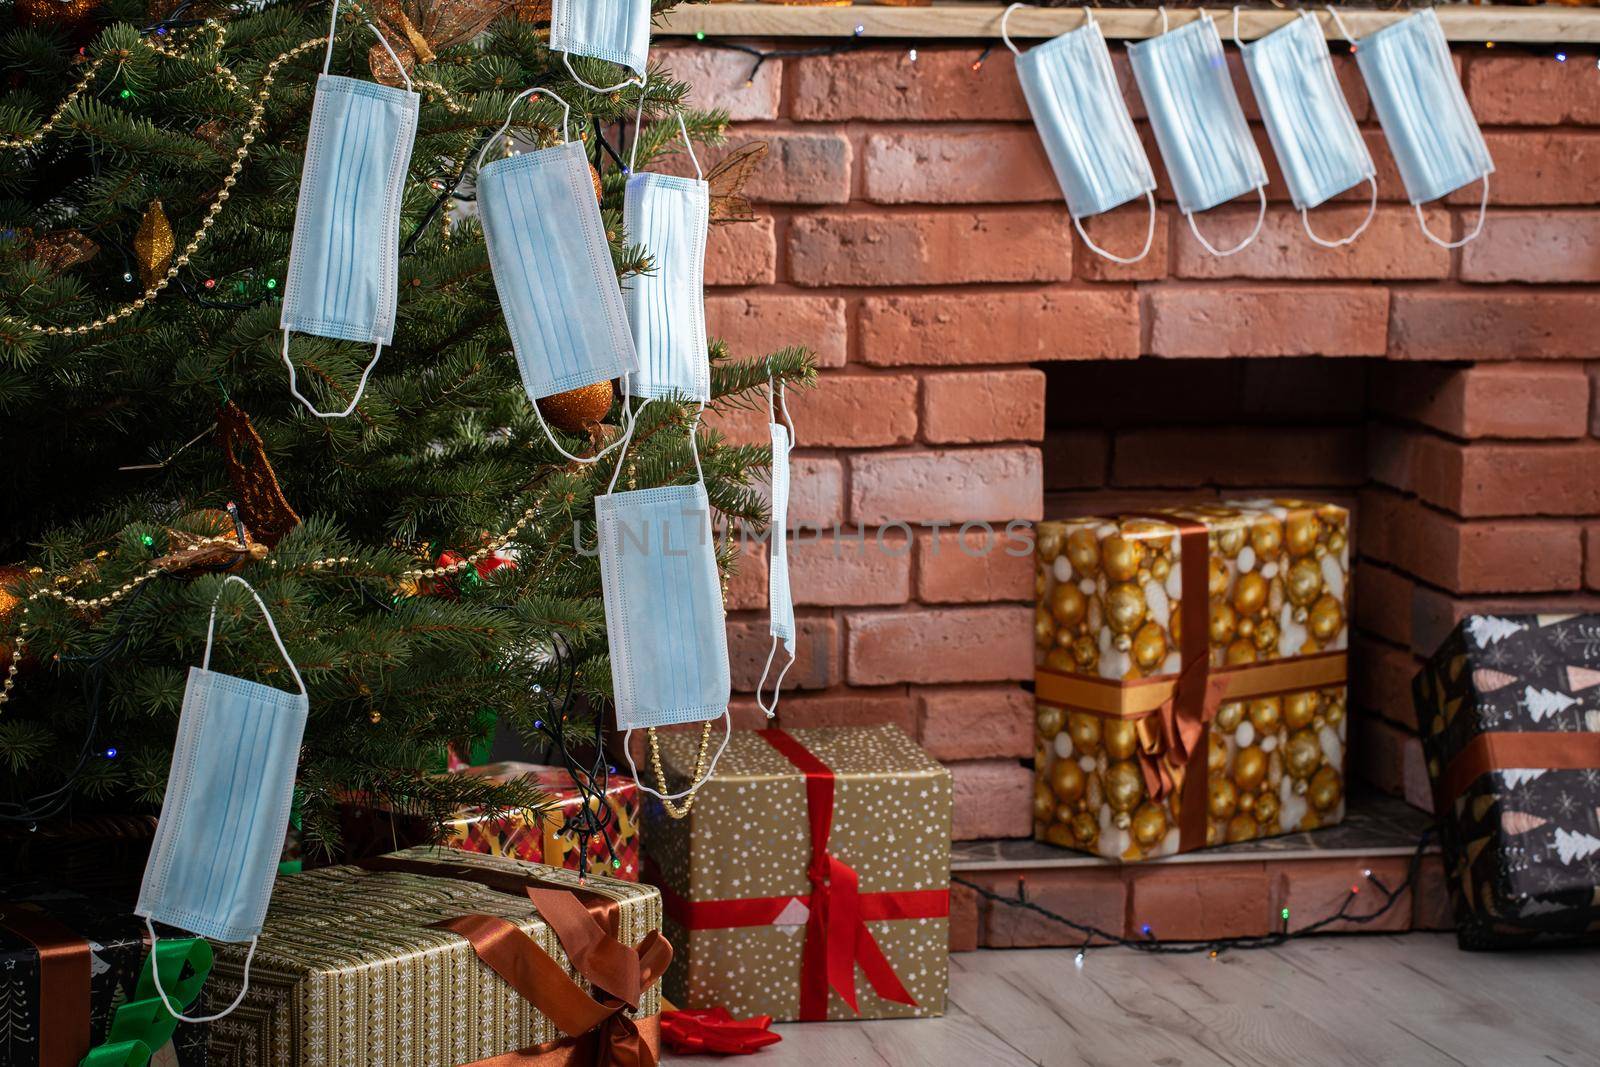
[1199, 125]
[667, 216]
[780, 598]
[344, 258]
[1319, 146]
[1083, 123]
[226, 807]
[614, 30]
[665, 622]
[552, 269]
[1430, 129]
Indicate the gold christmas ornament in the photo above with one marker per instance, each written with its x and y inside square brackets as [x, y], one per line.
[576, 410]
[1085, 653]
[1044, 628]
[1327, 618]
[1249, 767]
[1249, 594]
[1325, 790]
[1050, 720]
[1121, 557]
[1266, 636]
[1043, 803]
[1149, 824]
[1121, 738]
[1267, 808]
[1304, 582]
[68, 15]
[1066, 780]
[1049, 545]
[1059, 835]
[1301, 532]
[1241, 827]
[1223, 799]
[1223, 623]
[1216, 754]
[153, 244]
[374, 716]
[1298, 708]
[1266, 537]
[1230, 715]
[1085, 731]
[1124, 786]
[1230, 541]
[61, 250]
[1067, 604]
[1265, 713]
[1085, 829]
[1301, 753]
[1150, 646]
[1083, 552]
[1125, 607]
[1216, 576]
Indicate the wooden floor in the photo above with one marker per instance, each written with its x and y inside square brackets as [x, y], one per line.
[1386, 1001]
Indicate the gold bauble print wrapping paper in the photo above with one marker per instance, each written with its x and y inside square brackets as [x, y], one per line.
[349, 971]
[1109, 603]
[748, 836]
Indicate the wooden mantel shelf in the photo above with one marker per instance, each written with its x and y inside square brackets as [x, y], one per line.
[1546, 23]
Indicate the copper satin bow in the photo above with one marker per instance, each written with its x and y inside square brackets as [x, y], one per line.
[617, 974]
[1170, 736]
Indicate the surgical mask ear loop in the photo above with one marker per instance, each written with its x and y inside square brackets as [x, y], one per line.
[205, 664]
[566, 58]
[777, 686]
[638, 128]
[1005, 17]
[155, 973]
[1483, 213]
[377, 351]
[694, 787]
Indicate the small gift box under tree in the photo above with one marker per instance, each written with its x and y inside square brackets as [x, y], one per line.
[1509, 708]
[1190, 678]
[811, 877]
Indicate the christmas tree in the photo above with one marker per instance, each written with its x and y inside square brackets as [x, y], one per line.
[424, 558]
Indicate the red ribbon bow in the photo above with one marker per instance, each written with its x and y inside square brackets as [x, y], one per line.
[716, 1032]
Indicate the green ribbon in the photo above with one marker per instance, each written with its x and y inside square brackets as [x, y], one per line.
[143, 1024]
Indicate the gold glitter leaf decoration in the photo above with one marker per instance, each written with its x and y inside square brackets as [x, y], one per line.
[153, 244]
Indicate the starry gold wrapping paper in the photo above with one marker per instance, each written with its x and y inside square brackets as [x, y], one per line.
[349, 973]
[748, 836]
[1109, 596]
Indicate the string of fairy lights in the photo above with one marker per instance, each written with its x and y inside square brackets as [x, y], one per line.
[1149, 939]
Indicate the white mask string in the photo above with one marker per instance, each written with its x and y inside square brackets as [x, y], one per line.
[638, 128]
[777, 686]
[155, 973]
[333, 23]
[711, 768]
[566, 57]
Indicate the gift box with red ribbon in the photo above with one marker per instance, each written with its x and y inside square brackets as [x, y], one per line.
[811, 877]
[433, 956]
[1190, 678]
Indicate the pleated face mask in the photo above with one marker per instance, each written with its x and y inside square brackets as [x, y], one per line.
[1424, 113]
[1083, 123]
[552, 269]
[668, 216]
[614, 30]
[226, 807]
[665, 623]
[1318, 144]
[780, 598]
[1199, 125]
[345, 254]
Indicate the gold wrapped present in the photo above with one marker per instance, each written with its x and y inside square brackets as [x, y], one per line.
[811, 878]
[1190, 676]
[432, 957]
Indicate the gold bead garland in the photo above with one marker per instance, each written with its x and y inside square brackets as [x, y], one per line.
[680, 811]
[258, 110]
[50, 123]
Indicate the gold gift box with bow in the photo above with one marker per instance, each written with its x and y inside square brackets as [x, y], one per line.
[1190, 667]
[364, 965]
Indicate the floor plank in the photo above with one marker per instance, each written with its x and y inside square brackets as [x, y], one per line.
[1384, 1001]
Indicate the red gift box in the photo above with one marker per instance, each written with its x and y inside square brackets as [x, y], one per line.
[527, 837]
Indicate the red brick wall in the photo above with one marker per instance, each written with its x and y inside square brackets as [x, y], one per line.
[911, 233]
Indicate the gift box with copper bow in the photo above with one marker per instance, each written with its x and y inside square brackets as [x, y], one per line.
[1190, 676]
[811, 877]
[432, 957]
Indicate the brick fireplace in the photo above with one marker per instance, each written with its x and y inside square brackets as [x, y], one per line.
[978, 363]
